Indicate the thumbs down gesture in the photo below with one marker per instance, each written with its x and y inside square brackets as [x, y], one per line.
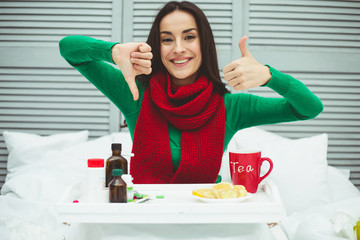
[133, 59]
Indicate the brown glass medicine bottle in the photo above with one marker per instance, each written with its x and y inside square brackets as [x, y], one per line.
[116, 161]
[117, 188]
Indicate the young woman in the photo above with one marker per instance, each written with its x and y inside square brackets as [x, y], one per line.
[180, 114]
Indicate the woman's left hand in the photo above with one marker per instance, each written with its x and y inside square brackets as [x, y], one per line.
[246, 72]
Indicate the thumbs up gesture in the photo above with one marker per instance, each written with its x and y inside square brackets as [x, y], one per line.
[246, 72]
[133, 59]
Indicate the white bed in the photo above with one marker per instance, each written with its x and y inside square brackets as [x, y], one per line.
[320, 201]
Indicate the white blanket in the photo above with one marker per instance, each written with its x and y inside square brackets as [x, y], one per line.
[319, 222]
[23, 219]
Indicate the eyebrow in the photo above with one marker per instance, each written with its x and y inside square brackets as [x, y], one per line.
[185, 31]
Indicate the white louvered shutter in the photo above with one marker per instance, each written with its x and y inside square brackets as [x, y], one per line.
[317, 42]
[39, 92]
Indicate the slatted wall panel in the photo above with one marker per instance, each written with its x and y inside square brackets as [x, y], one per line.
[319, 24]
[39, 92]
[317, 42]
[44, 23]
[49, 101]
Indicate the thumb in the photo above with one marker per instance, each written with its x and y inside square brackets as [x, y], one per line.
[133, 88]
[243, 49]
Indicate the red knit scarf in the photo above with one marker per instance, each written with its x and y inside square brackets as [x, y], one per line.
[194, 109]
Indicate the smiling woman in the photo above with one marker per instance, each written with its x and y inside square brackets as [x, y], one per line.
[180, 114]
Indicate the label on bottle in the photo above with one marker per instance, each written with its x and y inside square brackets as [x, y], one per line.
[95, 182]
[130, 194]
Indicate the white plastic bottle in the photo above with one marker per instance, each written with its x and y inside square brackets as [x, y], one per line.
[130, 187]
[95, 180]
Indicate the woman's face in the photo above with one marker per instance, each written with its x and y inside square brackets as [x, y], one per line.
[180, 47]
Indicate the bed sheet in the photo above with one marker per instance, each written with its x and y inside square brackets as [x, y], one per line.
[318, 222]
[23, 219]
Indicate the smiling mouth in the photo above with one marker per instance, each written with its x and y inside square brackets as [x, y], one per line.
[181, 61]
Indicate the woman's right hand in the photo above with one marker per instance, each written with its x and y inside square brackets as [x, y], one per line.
[133, 59]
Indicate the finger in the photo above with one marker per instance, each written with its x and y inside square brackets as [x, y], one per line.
[238, 87]
[142, 70]
[142, 55]
[230, 67]
[144, 47]
[243, 49]
[230, 75]
[234, 82]
[141, 62]
[242, 86]
[133, 88]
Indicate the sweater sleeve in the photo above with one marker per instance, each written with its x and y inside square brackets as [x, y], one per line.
[91, 57]
[297, 102]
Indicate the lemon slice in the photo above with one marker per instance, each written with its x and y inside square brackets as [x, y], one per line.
[239, 187]
[242, 192]
[223, 186]
[210, 194]
[197, 193]
[204, 193]
[217, 193]
[231, 193]
[223, 190]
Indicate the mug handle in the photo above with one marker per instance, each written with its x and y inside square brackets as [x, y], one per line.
[268, 172]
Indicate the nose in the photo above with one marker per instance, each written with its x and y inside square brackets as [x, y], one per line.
[179, 47]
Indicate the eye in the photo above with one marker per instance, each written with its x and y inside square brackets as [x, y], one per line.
[166, 40]
[190, 37]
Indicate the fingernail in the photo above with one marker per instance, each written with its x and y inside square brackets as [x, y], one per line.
[133, 55]
[132, 59]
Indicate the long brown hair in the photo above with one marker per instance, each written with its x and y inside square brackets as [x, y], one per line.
[209, 66]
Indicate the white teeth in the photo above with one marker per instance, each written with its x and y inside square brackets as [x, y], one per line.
[181, 61]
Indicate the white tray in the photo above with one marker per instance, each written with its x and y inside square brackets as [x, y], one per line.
[177, 206]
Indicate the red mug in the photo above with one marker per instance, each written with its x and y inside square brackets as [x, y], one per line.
[245, 166]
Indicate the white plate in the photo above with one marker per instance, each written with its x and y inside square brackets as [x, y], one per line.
[228, 200]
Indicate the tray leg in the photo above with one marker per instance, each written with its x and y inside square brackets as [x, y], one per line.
[277, 231]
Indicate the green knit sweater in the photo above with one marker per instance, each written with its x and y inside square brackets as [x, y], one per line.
[296, 102]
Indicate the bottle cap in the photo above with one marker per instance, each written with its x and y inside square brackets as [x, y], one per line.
[117, 172]
[116, 146]
[95, 162]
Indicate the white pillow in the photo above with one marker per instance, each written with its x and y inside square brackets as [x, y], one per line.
[290, 178]
[345, 172]
[300, 171]
[340, 186]
[254, 137]
[47, 178]
[125, 139]
[249, 138]
[225, 165]
[26, 148]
